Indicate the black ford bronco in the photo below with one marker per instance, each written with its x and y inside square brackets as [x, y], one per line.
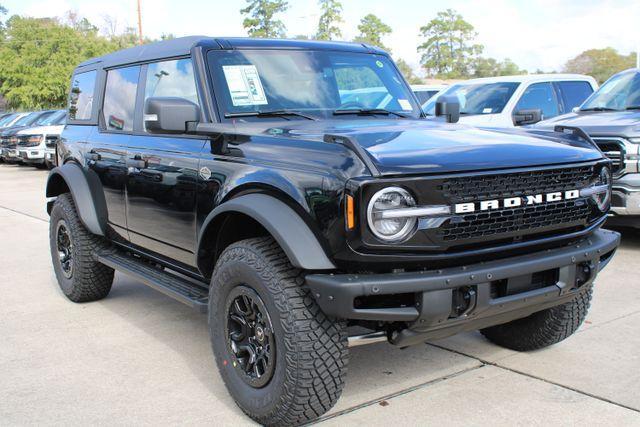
[295, 192]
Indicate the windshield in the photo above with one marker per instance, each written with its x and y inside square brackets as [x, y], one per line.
[620, 92]
[56, 118]
[7, 119]
[312, 83]
[478, 98]
[27, 119]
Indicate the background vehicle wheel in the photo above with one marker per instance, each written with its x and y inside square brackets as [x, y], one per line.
[80, 276]
[543, 328]
[283, 361]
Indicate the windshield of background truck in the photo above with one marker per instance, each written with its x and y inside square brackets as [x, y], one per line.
[315, 83]
[478, 98]
[620, 92]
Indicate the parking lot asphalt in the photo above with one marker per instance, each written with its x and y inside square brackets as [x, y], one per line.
[139, 357]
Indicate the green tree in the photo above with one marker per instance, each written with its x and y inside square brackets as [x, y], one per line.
[372, 30]
[3, 12]
[38, 57]
[490, 67]
[328, 28]
[448, 50]
[600, 63]
[407, 72]
[261, 20]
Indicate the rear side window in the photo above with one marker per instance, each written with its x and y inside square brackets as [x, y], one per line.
[539, 96]
[120, 98]
[574, 93]
[81, 96]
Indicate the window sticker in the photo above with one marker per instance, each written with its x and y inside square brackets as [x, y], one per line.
[244, 85]
[405, 104]
[487, 110]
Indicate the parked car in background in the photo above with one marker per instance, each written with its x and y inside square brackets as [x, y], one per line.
[9, 119]
[510, 101]
[426, 92]
[611, 116]
[8, 136]
[36, 145]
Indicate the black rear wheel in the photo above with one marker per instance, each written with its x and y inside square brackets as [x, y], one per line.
[282, 360]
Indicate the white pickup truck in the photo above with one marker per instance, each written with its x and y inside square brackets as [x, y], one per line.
[510, 101]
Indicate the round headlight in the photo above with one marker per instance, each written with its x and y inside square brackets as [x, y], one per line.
[603, 199]
[391, 229]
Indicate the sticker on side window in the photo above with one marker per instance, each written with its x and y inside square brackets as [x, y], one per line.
[244, 85]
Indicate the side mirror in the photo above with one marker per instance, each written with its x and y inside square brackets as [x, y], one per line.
[448, 106]
[169, 114]
[527, 117]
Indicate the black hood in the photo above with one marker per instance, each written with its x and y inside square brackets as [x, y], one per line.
[430, 146]
[599, 123]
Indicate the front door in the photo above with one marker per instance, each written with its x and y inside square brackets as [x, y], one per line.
[163, 172]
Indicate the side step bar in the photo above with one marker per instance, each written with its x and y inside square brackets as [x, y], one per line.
[169, 284]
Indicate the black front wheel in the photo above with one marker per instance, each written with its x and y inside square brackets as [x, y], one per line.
[283, 361]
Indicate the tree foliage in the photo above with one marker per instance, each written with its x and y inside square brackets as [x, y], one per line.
[261, 18]
[330, 18]
[448, 49]
[372, 30]
[38, 56]
[407, 72]
[600, 63]
[490, 67]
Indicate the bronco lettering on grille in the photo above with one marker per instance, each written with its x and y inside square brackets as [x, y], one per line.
[514, 202]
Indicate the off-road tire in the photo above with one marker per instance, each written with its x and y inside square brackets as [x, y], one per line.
[90, 280]
[543, 328]
[311, 348]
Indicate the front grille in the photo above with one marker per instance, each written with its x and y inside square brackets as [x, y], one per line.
[23, 141]
[517, 222]
[613, 149]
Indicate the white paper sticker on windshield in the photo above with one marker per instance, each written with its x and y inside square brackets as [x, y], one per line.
[487, 110]
[405, 104]
[244, 85]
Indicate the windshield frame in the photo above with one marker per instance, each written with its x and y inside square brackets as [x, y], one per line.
[429, 106]
[226, 113]
[609, 87]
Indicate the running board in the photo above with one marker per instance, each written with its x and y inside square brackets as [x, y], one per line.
[169, 284]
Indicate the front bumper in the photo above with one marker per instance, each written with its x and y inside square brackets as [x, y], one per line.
[31, 155]
[11, 155]
[572, 269]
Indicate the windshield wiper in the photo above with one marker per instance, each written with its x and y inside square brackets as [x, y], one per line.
[598, 109]
[633, 107]
[367, 111]
[273, 113]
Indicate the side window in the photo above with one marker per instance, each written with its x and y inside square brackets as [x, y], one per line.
[539, 96]
[81, 96]
[120, 98]
[574, 94]
[171, 78]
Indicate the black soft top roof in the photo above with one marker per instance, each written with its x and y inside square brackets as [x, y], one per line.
[182, 46]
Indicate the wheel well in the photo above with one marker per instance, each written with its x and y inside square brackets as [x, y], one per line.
[228, 228]
[55, 187]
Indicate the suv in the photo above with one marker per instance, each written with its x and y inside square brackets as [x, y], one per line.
[229, 174]
[510, 101]
[36, 145]
[611, 116]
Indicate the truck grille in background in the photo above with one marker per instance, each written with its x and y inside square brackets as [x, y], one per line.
[23, 141]
[613, 149]
[521, 221]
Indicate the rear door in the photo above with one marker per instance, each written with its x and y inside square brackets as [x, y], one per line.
[106, 152]
[163, 170]
[572, 94]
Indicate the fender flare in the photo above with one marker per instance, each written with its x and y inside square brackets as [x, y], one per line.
[285, 225]
[86, 191]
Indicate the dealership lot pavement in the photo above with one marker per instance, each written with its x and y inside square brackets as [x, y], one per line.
[138, 357]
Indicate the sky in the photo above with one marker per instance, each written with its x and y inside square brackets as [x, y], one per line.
[535, 34]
